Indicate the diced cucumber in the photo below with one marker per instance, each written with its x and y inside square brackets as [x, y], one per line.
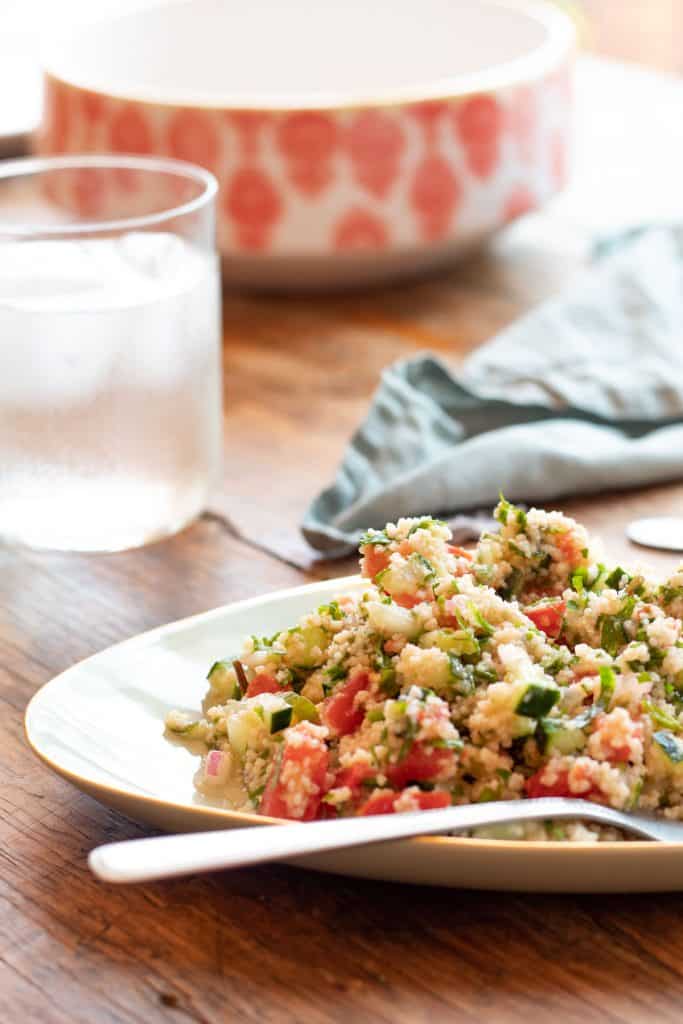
[670, 745]
[303, 709]
[306, 647]
[537, 700]
[666, 755]
[404, 578]
[388, 619]
[523, 727]
[195, 730]
[374, 715]
[514, 830]
[278, 718]
[276, 710]
[264, 715]
[503, 699]
[460, 641]
[559, 736]
[246, 729]
[223, 681]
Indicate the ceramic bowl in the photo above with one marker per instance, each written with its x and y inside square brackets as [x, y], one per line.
[352, 142]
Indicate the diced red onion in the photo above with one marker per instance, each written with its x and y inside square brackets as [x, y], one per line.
[214, 762]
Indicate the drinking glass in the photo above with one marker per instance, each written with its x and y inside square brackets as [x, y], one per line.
[110, 357]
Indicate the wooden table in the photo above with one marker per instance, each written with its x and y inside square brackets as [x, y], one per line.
[277, 944]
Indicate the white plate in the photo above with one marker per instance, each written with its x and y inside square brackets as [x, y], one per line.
[100, 725]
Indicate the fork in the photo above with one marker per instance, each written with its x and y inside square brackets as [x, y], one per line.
[143, 860]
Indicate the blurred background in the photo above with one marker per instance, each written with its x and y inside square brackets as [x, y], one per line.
[648, 32]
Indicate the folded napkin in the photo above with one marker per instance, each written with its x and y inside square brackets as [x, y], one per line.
[584, 394]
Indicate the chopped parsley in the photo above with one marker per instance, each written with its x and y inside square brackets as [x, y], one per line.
[374, 537]
[424, 524]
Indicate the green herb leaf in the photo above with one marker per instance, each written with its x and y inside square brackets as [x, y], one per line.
[608, 682]
[453, 744]
[332, 609]
[424, 524]
[462, 675]
[612, 634]
[425, 565]
[481, 622]
[579, 580]
[485, 675]
[513, 584]
[661, 717]
[614, 580]
[375, 537]
[487, 795]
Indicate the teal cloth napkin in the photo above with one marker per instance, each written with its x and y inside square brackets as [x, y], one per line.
[584, 394]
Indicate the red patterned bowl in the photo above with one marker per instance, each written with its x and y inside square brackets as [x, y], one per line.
[352, 141]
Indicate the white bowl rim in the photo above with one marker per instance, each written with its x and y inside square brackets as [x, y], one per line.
[556, 48]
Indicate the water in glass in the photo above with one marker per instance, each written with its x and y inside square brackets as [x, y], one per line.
[110, 388]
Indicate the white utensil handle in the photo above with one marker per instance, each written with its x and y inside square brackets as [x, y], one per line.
[141, 860]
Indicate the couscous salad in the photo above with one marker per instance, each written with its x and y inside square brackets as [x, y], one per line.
[526, 667]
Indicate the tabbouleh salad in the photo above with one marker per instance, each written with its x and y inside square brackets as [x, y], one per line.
[526, 667]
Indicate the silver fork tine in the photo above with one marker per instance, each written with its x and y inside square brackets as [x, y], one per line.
[563, 808]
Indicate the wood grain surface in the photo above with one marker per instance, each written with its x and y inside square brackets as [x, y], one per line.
[277, 944]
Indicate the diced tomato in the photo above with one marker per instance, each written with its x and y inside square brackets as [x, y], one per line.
[340, 713]
[616, 753]
[262, 683]
[375, 559]
[460, 552]
[568, 545]
[619, 755]
[380, 802]
[354, 776]
[534, 787]
[583, 673]
[449, 621]
[548, 617]
[408, 600]
[309, 756]
[420, 764]
[436, 798]
[383, 801]
[405, 548]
